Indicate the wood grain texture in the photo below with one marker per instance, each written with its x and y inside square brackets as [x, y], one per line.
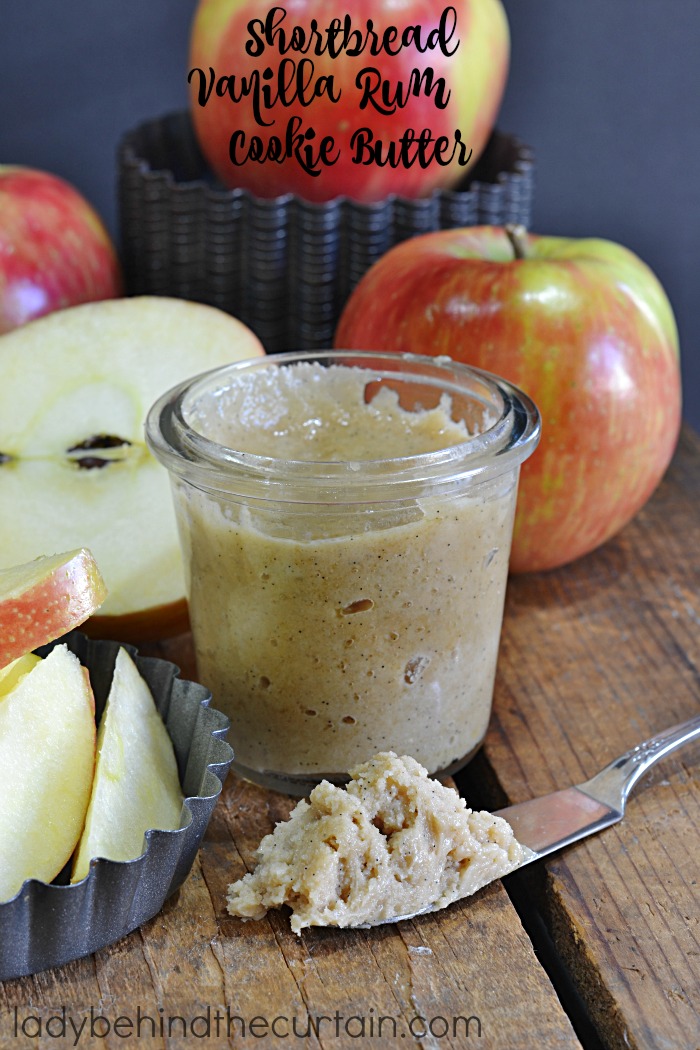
[469, 972]
[595, 658]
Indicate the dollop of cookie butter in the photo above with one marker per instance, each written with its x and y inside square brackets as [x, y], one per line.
[393, 842]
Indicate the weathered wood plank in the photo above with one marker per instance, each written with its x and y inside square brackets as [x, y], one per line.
[469, 973]
[595, 658]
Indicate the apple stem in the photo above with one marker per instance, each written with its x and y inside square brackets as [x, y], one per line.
[517, 235]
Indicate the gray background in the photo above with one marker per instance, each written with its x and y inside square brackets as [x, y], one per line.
[606, 91]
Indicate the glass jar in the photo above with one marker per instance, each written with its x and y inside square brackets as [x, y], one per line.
[346, 521]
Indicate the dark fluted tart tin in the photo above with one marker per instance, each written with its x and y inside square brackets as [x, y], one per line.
[48, 925]
[284, 266]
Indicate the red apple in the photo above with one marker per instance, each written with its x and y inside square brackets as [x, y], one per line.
[470, 53]
[54, 250]
[45, 598]
[583, 326]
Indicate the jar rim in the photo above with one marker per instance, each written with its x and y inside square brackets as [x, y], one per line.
[202, 461]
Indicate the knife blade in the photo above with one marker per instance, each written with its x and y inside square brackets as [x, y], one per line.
[550, 822]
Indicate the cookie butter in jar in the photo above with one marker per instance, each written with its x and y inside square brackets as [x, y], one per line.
[346, 522]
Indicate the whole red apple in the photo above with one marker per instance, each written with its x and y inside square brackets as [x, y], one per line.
[321, 95]
[54, 250]
[583, 326]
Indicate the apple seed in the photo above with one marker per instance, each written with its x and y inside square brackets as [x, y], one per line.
[100, 442]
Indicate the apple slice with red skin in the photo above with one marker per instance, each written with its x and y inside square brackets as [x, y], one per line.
[45, 598]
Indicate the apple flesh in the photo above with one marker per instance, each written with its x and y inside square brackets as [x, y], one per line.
[75, 388]
[13, 673]
[46, 598]
[474, 69]
[136, 784]
[47, 760]
[582, 326]
[54, 249]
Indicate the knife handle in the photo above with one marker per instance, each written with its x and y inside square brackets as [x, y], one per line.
[613, 784]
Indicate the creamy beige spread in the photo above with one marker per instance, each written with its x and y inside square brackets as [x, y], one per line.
[308, 412]
[328, 633]
[393, 843]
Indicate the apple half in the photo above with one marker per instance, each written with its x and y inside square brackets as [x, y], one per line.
[47, 762]
[44, 599]
[75, 388]
[136, 784]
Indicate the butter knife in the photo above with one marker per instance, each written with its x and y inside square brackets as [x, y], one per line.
[550, 822]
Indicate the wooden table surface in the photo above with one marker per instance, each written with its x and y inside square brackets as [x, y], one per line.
[598, 947]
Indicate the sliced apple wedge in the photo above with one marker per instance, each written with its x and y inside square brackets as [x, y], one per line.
[75, 388]
[45, 598]
[47, 761]
[136, 783]
[13, 673]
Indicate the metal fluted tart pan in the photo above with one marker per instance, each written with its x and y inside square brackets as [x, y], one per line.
[48, 925]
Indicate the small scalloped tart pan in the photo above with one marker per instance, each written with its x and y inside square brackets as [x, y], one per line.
[48, 925]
